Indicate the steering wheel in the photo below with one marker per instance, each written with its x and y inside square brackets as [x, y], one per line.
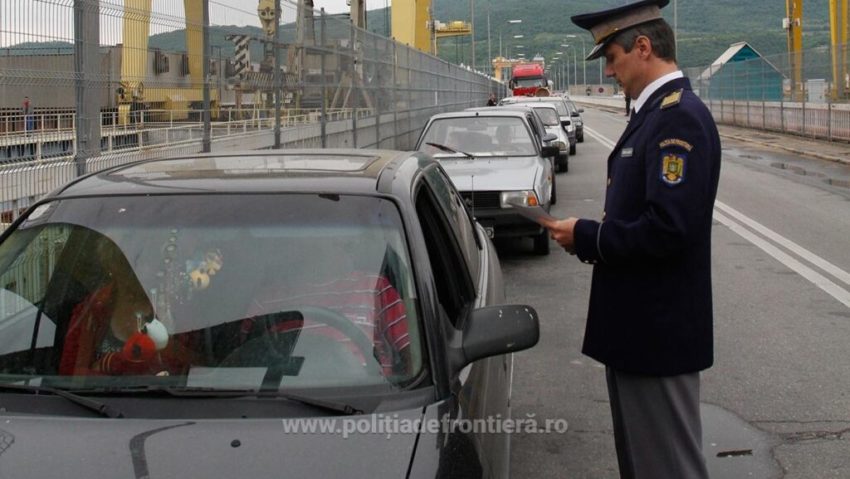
[326, 316]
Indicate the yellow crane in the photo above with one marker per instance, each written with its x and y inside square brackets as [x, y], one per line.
[793, 23]
[838, 34]
[838, 29]
[412, 24]
[134, 61]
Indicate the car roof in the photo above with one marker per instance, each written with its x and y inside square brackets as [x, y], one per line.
[531, 99]
[489, 110]
[539, 104]
[350, 171]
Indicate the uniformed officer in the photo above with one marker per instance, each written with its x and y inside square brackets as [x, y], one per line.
[650, 313]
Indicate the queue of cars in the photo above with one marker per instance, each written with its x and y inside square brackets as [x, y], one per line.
[493, 163]
[185, 316]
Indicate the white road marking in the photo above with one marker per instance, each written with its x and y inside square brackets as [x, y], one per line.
[807, 255]
[598, 137]
[819, 280]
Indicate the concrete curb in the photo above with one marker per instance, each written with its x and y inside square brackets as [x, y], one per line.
[796, 151]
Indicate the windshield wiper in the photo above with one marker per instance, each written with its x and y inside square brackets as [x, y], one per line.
[207, 392]
[450, 150]
[103, 409]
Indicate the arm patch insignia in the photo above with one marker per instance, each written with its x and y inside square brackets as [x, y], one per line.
[673, 168]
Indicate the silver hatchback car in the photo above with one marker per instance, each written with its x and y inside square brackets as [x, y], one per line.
[494, 159]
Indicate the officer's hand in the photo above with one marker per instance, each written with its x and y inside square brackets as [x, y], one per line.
[562, 231]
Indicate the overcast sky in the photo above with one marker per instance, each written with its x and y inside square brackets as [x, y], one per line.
[52, 20]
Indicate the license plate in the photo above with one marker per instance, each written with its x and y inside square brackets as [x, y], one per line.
[489, 231]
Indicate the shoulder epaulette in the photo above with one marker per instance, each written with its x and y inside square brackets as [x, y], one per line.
[672, 99]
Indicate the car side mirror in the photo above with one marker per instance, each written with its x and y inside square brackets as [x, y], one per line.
[549, 137]
[581, 110]
[494, 330]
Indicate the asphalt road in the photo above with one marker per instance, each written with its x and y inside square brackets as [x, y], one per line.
[777, 401]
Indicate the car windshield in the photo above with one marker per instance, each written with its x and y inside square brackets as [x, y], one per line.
[529, 82]
[265, 291]
[488, 135]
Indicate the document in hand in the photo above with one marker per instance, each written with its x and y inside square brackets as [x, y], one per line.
[534, 213]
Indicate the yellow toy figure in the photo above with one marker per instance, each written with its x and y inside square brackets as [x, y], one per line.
[199, 270]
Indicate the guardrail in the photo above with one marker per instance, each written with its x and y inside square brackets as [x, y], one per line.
[826, 121]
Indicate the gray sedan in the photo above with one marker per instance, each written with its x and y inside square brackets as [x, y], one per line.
[266, 314]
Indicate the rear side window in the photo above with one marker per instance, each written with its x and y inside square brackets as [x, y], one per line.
[451, 279]
[459, 220]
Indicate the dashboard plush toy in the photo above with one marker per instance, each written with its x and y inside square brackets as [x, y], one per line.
[139, 353]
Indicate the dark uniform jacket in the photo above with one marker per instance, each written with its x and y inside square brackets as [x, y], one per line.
[650, 302]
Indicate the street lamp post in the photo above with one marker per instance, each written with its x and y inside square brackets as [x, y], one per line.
[583, 56]
[575, 63]
[510, 22]
[516, 37]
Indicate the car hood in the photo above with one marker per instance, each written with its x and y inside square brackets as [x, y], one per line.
[47, 447]
[495, 174]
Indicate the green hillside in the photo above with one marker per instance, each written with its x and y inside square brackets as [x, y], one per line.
[706, 28]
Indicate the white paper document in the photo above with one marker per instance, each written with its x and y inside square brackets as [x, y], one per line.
[534, 213]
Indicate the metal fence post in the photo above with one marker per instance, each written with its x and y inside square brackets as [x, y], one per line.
[86, 70]
[803, 94]
[747, 90]
[394, 96]
[410, 109]
[377, 97]
[207, 54]
[355, 83]
[276, 77]
[829, 118]
[323, 37]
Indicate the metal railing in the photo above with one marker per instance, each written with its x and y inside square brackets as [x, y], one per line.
[99, 95]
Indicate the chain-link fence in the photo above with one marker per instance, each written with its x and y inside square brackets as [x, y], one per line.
[88, 84]
[806, 94]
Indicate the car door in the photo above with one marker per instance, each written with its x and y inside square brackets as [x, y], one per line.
[459, 250]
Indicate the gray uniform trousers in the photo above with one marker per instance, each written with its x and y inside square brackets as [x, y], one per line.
[657, 427]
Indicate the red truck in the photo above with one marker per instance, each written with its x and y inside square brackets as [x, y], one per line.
[528, 79]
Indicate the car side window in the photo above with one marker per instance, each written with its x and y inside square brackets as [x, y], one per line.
[453, 283]
[535, 128]
[459, 219]
[24, 283]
